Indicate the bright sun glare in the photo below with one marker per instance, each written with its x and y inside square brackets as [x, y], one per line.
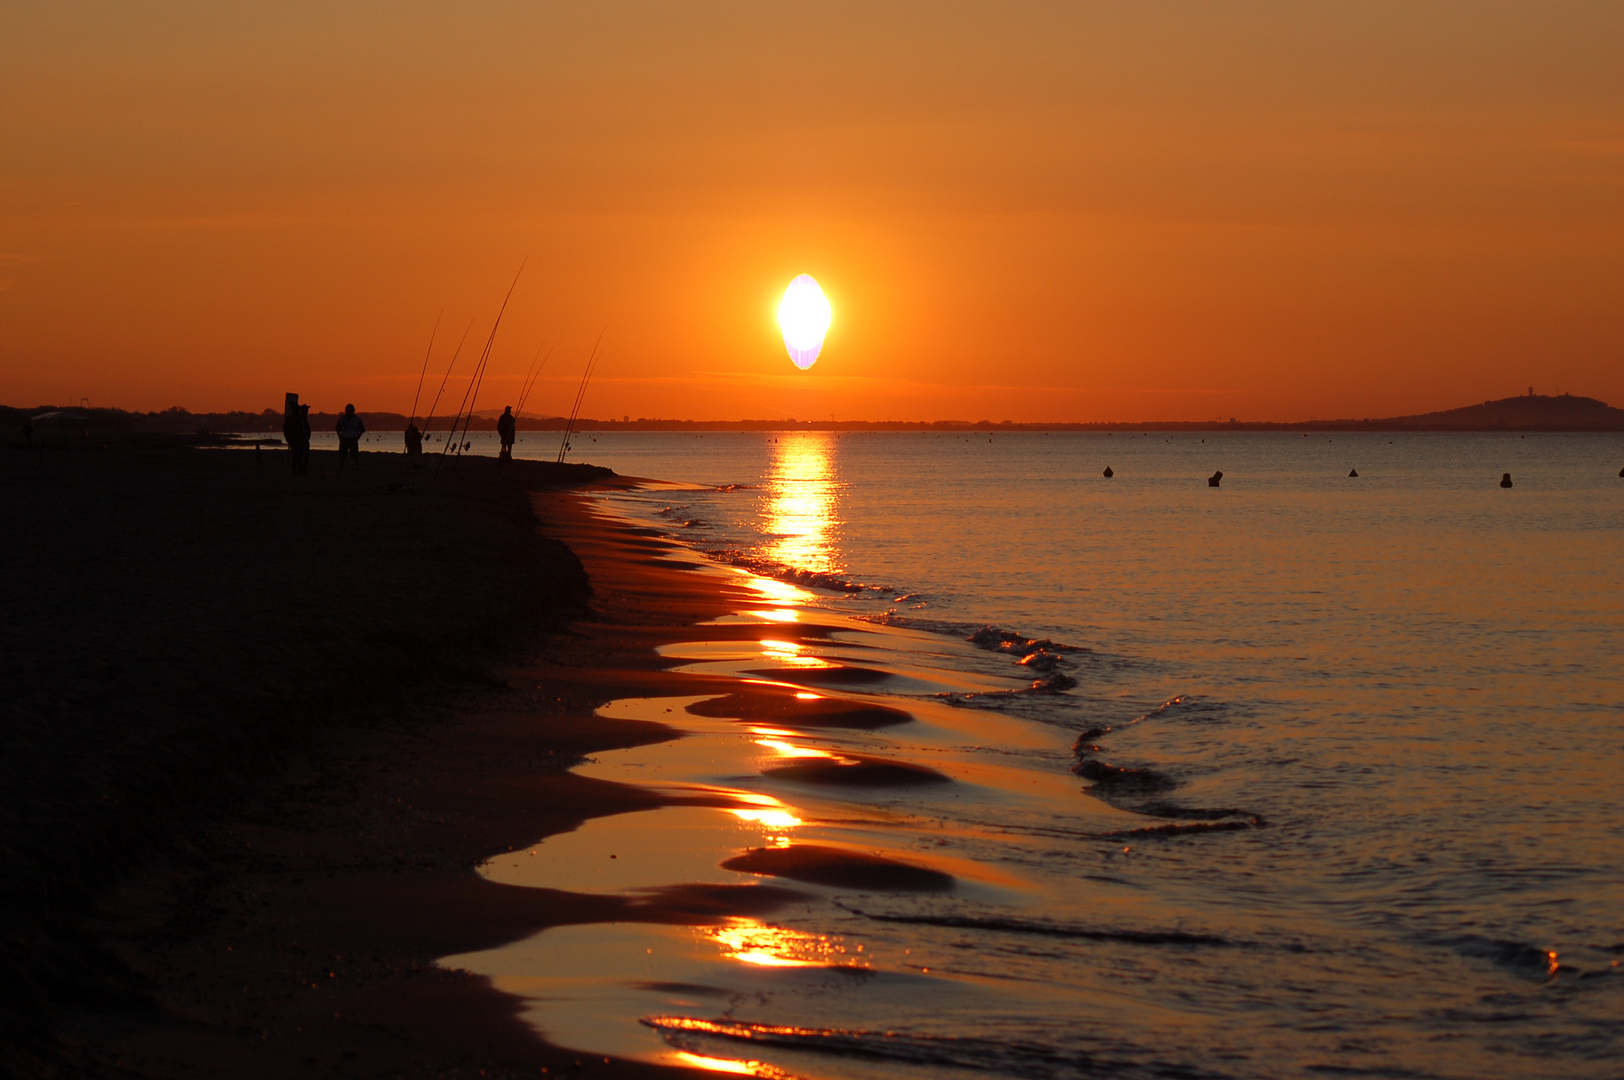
[804, 317]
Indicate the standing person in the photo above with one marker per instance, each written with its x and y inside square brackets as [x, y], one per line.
[350, 429]
[28, 431]
[414, 446]
[294, 434]
[505, 428]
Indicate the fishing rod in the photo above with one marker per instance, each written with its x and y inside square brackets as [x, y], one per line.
[490, 346]
[429, 419]
[424, 373]
[479, 370]
[580, 395]
[529, 385]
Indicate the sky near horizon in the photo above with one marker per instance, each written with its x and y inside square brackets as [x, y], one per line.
[1063, 212]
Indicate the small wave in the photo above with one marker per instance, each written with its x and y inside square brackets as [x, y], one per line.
[1184, 706]
[1056, 683]
[1000, 1058]
[997, 639]
[1186, 829]
[736, 487]
[1043, 928]
[807, 579]
[1121, 779]
[1191, 813]
[1528, 961]
[1035, 654]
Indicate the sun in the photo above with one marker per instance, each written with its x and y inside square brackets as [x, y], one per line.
[804, 316]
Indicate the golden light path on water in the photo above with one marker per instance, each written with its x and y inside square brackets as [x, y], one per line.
[802, 502]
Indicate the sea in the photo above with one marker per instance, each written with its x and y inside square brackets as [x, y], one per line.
[1315, 772]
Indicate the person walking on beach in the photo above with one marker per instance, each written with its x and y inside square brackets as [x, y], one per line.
[350, 429]
[505, 429]
[414, 446]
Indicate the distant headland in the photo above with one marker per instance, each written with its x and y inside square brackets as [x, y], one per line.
[1524, 413]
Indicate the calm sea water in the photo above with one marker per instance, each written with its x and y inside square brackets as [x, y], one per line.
[1346, 797]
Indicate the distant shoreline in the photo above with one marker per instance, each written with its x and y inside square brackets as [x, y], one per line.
[1525, 413]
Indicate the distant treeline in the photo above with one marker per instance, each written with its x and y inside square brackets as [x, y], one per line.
[1530, 412]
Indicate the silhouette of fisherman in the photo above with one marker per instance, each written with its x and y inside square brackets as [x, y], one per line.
[505, 429]
[414, 446]
[350, 429]
[296, 433]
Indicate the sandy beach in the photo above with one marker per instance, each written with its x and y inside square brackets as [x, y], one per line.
[273, 725]
[258, 741]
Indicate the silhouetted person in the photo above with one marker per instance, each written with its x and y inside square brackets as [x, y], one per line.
[350, 429]
[1108, 472]
[505, 429]
[1213, 480]
[28, 435]
[414, 446]
[296, 430]
[1505, 480]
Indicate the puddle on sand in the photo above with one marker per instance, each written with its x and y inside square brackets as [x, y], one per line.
[653, 992]
[836, 812]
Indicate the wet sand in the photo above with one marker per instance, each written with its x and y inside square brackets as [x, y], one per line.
[280, 909]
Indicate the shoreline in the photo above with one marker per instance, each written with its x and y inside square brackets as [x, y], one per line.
[300, 929]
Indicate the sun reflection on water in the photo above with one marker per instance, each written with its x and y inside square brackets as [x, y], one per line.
[776, 819]
[802, 501]
[774, 614]
[777, 592]
[751, 942]
[699, 1061]
[790, 750]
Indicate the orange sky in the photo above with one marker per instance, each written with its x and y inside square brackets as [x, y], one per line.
[1018, 211]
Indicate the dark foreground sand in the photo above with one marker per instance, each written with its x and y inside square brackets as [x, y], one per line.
[265, 729]
[176, 627]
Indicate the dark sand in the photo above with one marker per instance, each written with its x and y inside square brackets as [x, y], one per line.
[783, 707]
[267, 729]
[841, 869]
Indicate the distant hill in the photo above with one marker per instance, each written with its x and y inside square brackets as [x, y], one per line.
[1529, 412]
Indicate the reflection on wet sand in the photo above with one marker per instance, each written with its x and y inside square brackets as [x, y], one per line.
[751, 941]
[772, 785]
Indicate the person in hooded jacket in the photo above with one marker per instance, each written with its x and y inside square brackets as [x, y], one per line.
[350, 429]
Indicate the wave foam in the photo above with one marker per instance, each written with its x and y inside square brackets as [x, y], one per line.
[993, 1056]
[807, 579]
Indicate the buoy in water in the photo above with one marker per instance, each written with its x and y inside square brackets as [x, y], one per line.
[1505, 479]
[1212, 481]
[1353, 472]
[1109, 473]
